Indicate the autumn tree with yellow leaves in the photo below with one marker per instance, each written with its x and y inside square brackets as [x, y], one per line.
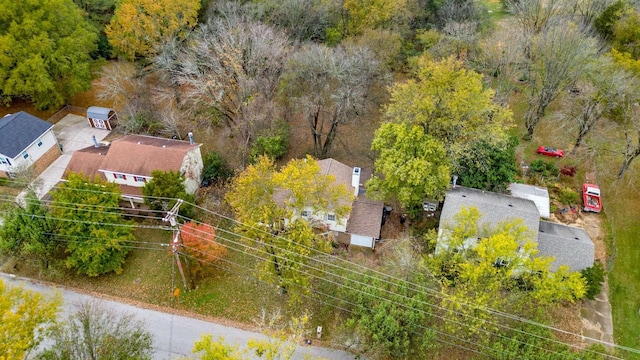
[26, 319]
[139, 27]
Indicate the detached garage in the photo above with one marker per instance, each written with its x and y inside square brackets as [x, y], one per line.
[102, 118]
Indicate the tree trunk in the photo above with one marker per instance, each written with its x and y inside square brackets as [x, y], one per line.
[316, 130]
[328, 142]
[629, 156]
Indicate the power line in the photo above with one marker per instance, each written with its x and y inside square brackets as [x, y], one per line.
[443, 318]
[428, 290]
[443, 296]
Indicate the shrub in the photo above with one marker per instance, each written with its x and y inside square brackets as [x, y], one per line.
[568, 196]
[273, 143]
[544, 168]
[594, 277]
[569, 171]
[215, 168]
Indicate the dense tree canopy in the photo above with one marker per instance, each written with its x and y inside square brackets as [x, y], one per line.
[450, 103]
[502, 271]
[26, 319]
[89, 220]
[99, 13]
[163, 190]
[432, 121]
[489, 166]
[268, 202]
[45, 48]
[139, 27]
[27, 232]
[411, 165]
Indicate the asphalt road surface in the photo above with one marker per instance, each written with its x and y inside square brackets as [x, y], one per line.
[174, 335]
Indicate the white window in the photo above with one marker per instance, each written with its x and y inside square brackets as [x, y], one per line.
[139, 179]
[25, 154]
[331, 217]
[120, 176]
[3, 161]
[39, 142]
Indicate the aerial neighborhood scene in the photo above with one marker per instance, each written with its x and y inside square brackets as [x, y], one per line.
[319, 179]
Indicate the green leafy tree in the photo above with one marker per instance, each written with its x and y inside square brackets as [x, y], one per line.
[390, 318]
[45, 49]
[411, 165]
[97, 332]
[606, 21]
[163, 190]
[28, 232]
[273, 143]
[215, 168]
[267, 203]
[502, 271]
[89, 221]
[489, 166]
[26, 319]
[99, 13]
[626, 33]
[451, 104]
[594, 277]
[139, 27]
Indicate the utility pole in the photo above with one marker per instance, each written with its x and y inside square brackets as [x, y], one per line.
[175, 241]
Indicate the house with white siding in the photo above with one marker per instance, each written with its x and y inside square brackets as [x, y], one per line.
[130, 160]
[26, 142]
[363, 225]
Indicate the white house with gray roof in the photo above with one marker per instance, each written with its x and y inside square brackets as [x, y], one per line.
[569, 245]
[26, 141]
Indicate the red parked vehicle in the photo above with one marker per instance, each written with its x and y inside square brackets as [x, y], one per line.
[549, 151]
[591, 197]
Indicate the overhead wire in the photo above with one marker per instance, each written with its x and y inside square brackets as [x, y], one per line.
[442, 296]
[431, 291]
[443, 318]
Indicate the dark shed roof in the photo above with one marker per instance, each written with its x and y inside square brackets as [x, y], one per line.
[18, 131]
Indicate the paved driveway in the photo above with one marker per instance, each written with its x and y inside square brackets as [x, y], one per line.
[73, 133]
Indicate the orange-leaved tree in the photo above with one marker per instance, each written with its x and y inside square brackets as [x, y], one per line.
[200, 245]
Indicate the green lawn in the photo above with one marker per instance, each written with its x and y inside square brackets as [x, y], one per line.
[496, 9]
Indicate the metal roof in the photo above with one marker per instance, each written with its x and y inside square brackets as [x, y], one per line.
[97, 112]
[540, 196]
[18, 131]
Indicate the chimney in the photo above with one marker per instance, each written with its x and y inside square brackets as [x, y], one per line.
[355, 180]
[95, 142]
[190, 138]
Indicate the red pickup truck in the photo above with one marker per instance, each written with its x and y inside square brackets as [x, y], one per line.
[591, 197]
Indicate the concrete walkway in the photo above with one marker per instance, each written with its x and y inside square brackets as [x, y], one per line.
[597, 322]
[73, 133]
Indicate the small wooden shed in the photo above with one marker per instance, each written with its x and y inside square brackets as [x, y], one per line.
[101, 117]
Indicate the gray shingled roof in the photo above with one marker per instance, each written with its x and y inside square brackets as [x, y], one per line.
[570, 245]
[493, 207]
[365, 218]
[18, 131]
